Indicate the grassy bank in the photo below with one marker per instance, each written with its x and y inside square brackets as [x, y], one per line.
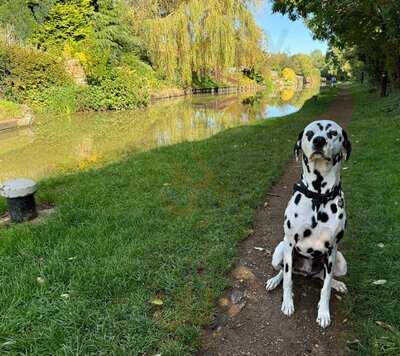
[133, 259]
[10, 110]
[373, 200]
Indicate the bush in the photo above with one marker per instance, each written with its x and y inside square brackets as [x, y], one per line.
[288, 74]
[25, 69]
[123, 89]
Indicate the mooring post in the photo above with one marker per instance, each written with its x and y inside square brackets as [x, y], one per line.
[20, 199]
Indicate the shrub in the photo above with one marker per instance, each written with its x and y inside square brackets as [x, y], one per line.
[57, 99]
[25, 69]
[124, 88]
[288, 74]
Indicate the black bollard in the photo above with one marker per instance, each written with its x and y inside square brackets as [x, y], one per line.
[20, 199]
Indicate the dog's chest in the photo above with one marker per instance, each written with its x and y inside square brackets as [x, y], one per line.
[307, 266]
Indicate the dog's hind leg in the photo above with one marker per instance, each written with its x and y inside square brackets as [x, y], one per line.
[274, 282]
[336, 285]
[277, 263]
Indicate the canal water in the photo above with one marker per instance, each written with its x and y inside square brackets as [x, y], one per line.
[64, 143]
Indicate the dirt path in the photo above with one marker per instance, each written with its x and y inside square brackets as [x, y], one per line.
[248, 320]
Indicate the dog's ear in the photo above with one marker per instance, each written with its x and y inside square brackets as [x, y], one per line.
[297, 146]
[346, 145]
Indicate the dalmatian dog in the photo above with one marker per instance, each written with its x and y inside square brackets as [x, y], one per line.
[315, 218]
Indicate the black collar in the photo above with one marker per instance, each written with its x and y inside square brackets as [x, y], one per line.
[317, 198]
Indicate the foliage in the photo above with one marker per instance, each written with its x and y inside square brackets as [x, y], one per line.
[204, 38]
[24, 69]
[10, 110]
[134, 231]
[124, 88]
[289, 74]
[371, 28]
[69, 21]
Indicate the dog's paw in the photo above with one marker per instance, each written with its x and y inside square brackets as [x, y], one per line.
[324, 317]
[287, 307]
[273, 282]
[339, 286]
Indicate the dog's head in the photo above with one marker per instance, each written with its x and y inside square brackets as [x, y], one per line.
[323, 139]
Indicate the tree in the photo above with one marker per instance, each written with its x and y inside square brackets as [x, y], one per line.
[370, 27]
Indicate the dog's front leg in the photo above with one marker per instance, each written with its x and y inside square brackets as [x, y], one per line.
[287, 303]
[324, 317]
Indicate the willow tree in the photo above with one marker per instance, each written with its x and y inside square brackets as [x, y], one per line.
[202, 37]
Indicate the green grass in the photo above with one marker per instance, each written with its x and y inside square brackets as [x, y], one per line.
[162, 224]
[372, 186]
[9, 110]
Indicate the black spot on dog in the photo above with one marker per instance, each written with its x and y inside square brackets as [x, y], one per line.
[317, 182]
[330, 250]
[310, 250]
[328, 126]
[296, 237]
[329, 267]
[310, 135]
[339, 236]
[286, 268]
[290, 245]
[313, 222]
[334, 208]
[297, 199]
[337, 158]
[296, 215]
[307, 233]
[323, 185]
[322, 216]
[341, 216]
[332, 133]
[320, 126]
[285, 216]
[288, 224]
[327, 244]
[305, 159]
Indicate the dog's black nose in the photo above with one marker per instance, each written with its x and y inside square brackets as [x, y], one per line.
[319, 142]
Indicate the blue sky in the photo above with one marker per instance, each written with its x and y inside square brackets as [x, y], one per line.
[284, 35]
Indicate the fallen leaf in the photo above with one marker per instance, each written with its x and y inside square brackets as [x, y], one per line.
[243, 272]
[259, 248]
[223, 302]
[235, 309]
[72, 258]
[338, 297]
[40, 280]
[157, 302]
[385, 325]
[65, 296]
[379, 282]
[381, 245]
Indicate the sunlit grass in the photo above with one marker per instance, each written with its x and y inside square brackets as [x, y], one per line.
[373, 199]
[158, 225]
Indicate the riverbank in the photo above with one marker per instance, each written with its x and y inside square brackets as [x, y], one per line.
[137, 252]
[372, 180]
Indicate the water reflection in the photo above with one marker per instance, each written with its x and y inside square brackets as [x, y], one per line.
[63, 143]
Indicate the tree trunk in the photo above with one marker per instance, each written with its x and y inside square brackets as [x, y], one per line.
[384, 83]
